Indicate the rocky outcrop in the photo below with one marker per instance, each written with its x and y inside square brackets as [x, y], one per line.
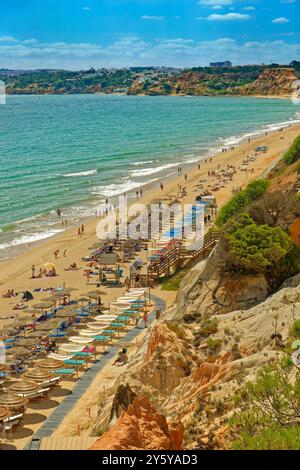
[124, 396]
[207, 289]
[141, 427]
[271, 82]
[167, 359]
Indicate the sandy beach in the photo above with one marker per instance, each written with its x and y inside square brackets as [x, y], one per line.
[16, 273]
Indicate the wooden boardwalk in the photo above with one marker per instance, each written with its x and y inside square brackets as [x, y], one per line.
[82, 384]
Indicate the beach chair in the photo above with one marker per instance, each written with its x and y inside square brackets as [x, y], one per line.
[10, 423]
[75, 363]
[66, 372]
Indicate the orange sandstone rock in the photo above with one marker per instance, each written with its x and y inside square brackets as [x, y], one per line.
[141, 427]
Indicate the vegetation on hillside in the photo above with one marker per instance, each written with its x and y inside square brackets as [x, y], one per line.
[293, 153]
[253, 191]
[268, 410]
[154, 81]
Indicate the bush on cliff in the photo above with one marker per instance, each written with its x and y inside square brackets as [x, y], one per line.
[255, 248]
[251, 249]
[253, 191]
[292, 155]
[268, 414]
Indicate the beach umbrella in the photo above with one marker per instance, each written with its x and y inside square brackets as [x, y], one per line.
[83, 299]
[37, 375]
[35, 334]
[18, 352]
[53, 299]
[80, 340]
[49, 266]
[66, 314]
[10, 400]
[71, 348]
[42, 305]
[49, 327]
[27, 342]
[4, 414]
[120, 306]
[50, 364]
[96, 292]
[23, 387]
[95, 296]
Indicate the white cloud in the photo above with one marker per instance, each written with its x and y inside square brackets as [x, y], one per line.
[154, 18]
[8, 39]
[86, 8]
[215, 2]
[229, 17]
[281, 20]
[132, 50]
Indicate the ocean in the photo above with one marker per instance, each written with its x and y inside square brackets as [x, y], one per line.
[74, 151]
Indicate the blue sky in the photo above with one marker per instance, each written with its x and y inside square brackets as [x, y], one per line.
[76, 34]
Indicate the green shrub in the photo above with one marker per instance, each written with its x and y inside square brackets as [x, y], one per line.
[270, 439]
[296, 329]
[253, 191]
[293, 153]
[209, 328]
[214, 344]
[255, 248]
[268, 410]
[172, 283]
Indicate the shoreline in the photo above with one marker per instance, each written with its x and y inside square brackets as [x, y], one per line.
[233, 140]
[16, 273]
[150, 191]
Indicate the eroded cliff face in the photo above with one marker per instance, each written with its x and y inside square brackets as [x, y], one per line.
[190, 371]
[207, 289]
[141, 427]
[271, 82]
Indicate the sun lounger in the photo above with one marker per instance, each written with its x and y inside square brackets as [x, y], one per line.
[65, 372]
[10, 423]
[87, 355]
[34, 395]
[57, 335]
[75, 362]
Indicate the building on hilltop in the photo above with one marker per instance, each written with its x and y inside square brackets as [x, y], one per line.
[227, 63]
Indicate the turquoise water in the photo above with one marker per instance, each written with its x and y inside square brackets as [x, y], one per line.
[73, 151]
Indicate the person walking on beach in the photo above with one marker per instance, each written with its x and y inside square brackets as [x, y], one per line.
[145, 319]
[79, 235]
[161, 186]
[33, 271]
[82, 229]
[127, 283]
[185, 177]
[56, 253]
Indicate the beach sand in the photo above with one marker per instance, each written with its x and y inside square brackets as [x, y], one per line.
[15, 273]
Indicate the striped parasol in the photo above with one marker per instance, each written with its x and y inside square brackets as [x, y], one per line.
[50, 364]
[11, 401]
[4, 414]
[23, 387]
[37, 375]
[42, 305]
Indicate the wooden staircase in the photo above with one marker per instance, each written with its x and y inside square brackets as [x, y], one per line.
[179, 256]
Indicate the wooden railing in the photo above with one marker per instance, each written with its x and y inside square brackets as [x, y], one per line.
[178, 255]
